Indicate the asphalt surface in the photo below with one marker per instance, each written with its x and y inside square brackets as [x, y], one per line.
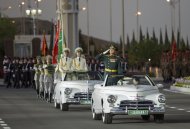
[21, 109]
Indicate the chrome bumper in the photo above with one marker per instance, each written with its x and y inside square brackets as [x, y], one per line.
[78, 101]
[151, 111]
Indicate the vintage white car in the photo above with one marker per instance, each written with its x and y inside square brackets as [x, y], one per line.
[120, 95]
[76, 88]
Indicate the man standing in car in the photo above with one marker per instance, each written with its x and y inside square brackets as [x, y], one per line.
[112, 61]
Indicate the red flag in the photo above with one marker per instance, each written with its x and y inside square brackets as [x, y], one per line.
[55, 48]
[44, 46]
[174, 50]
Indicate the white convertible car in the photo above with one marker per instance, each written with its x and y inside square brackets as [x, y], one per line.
[119, 95]
[76, 88]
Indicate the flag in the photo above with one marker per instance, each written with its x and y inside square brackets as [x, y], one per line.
[55, 48]
[60, 45]
[174, 50]
[44, 46]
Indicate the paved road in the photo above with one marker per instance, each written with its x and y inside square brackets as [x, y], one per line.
[20, 109]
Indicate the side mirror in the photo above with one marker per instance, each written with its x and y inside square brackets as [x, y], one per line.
[160, 85]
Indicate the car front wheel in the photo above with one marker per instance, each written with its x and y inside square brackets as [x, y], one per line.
[56, 105]
[145, 117]
[64, 107]
[106, 118]
[96, 116]
[159, 118]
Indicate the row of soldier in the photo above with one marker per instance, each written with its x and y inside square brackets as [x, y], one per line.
[43, 75]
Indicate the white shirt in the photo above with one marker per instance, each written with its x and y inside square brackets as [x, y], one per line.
[79, 64]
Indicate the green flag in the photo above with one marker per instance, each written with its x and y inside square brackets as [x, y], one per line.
[60, 45]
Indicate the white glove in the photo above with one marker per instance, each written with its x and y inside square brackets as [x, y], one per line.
[105, 52]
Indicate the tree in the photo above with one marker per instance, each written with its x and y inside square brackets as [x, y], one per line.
[154, 36]
[178, 39]
[128, 42]
[141, 35]
[187, 43]
[161, 38]
[147, 34]
[7, 31]
[167, 42]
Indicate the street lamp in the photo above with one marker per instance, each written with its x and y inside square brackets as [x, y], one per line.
[21, 5]
[87, 18]
[172, 4]
[33, 13]
[138, 13]
[123, 28]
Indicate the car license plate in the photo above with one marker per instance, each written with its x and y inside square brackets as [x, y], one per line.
[85, 102]
[137, 112]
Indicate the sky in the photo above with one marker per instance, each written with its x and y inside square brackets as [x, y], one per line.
[155, 14]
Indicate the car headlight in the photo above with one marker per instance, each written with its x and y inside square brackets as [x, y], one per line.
[68, 91]
[161, 99]
[111, 99]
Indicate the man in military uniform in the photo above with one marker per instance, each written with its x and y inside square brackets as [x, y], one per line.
[25, 73]
[65, 62]
[79, 63]
[16, 73]
[48, 78]
[41, 79]
[37, 74]
[7, 66]
[112, 61]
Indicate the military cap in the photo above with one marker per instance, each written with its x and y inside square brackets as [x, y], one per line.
[48, 57]
[66, 49]
[38, 58]
[113, 47]
[43, 58]
[78, 49]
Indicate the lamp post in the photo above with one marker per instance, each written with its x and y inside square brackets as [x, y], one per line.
[123, 28]
[138, 13]
[37, 14]
[88, 39]
[33, 13]
[110, 21]
[172, 4]
[21, 5]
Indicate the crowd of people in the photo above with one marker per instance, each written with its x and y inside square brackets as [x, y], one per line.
[39, 73]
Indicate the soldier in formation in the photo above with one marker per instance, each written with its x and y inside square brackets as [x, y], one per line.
[48, 78]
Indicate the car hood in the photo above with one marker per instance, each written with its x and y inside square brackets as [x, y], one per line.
[131, 88]
[81, 84]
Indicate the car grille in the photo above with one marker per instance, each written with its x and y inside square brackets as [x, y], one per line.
[83, 96]
[137, 104]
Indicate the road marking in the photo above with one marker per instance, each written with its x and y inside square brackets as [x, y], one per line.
[172, 107]
[188, 111]
[6, 128]
[2, 122]
[181, 109]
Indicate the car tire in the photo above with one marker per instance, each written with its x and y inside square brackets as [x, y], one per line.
[64, 107]
[56, 105]
[145, 117]
[96, 116]
[159, 118]
[107, 118]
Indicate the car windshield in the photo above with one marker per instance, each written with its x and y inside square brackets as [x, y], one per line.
[124, 81]
[74, 76]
